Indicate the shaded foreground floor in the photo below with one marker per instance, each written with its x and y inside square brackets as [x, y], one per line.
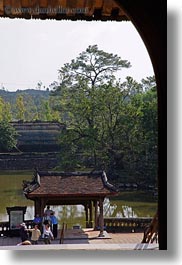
[88, 240]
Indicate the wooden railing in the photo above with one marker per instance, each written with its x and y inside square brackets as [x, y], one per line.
[111, 224]
[5, 230]
[126, 224]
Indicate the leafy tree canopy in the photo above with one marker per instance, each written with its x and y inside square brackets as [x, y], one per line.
[110, 125]
[91, 68]
[7, 136]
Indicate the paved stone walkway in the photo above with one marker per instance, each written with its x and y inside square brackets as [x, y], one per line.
[112, 241]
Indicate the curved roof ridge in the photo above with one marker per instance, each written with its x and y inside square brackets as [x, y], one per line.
[46, 183]
[106, 183]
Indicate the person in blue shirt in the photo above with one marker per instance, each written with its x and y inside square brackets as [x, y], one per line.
[37, 219]
[54, 222]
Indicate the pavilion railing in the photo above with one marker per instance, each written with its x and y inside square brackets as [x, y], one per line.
[6, 231]
[119, 225]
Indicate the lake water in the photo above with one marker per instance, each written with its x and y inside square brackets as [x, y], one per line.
[126, 204]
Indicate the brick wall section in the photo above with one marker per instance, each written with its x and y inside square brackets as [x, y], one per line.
[28, 161]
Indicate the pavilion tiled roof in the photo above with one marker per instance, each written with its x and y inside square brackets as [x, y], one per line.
[68, 184]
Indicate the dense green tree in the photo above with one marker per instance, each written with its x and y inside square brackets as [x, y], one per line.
[5, 111]
[30, 108]
[20, 108]
[110, 125]
[81, 84]
[143, 136]
[46, 111]
[1, 108]
[8, 136]
[7, 132]
[91, 68]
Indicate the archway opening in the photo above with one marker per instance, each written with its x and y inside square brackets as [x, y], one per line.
[158, 72]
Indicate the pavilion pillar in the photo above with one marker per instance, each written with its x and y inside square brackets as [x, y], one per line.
[101, 217]
[90, 215]
[86, 215]
[96, 215]
[42, 206]
[37, 206]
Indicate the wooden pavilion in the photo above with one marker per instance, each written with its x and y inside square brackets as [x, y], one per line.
[63, 188]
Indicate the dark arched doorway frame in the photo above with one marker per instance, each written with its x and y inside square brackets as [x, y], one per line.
[150, 19]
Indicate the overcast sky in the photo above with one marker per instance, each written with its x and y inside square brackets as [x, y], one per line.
[34, 50]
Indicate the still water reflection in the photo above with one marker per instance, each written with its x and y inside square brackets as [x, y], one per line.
[75, 214]
[127, 204]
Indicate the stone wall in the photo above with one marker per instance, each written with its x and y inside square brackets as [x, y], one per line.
[38, 145]
[26, 161]
[38, 136]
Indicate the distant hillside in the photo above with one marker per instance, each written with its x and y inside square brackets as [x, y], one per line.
[36, 95]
